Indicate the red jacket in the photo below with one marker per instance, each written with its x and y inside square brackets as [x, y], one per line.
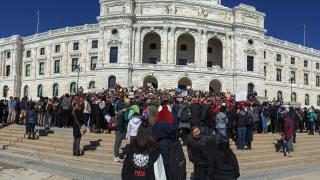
[288, 127]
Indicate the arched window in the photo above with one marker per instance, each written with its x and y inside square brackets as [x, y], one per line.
[92, 85]
[306, 100]
[5, 91]
[26, 91]
[112, 82]
[279, 96]
[39, 93]
[250, 88]
[73, 88]
[318, 100]
[294, 97]
[55, 90]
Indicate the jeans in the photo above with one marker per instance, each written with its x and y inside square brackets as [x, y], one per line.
[117, 143]
[249, 135]
[264, 121]
[223, 132]
[287, 145]
[241, 138]
[76, 145]
[87, 120]
[30, 129]
[311, 127]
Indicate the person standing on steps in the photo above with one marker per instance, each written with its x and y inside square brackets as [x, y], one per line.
[78, 122]
[196, 147]
[31, 120]
[120, 132]
[287, 135]
[144, 161]
[311, 120]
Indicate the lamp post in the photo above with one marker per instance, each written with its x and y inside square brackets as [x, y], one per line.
[78, 69]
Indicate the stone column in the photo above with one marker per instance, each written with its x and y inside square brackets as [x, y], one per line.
[164, 46]
[197, 55]
[65, 60]
[134, 43]
[1, 63]
[172, 46]
[85, 60]
[138, 45]
[204, 55]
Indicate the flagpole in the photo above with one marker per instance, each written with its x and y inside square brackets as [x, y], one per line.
[38, 13]
[304, 35]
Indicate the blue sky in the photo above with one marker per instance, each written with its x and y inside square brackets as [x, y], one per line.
[284, 20]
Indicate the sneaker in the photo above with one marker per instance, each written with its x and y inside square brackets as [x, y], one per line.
[116, 159]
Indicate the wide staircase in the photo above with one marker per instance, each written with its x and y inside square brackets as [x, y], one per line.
[98, 151]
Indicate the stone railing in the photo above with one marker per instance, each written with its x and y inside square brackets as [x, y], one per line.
[85, 27]
[291, 45]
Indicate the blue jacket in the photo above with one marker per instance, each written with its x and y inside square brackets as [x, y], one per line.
[32, 116]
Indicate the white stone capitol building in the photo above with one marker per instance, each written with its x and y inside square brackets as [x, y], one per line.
[166, 43]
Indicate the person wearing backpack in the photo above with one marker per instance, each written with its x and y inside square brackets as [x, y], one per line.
[223, 162]
[185, 118]
[171, 150]
[221, 122]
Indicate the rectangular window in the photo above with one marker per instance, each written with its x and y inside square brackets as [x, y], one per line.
[113, 54]
[94, 60]
[57, 48]
[183, 62]
[293, 61]
[8, 70]
[153, 60]
[279, 57]
[42, 51]
[293, 76]
[264, 54]
[306, 79]
[41, 68]
[210, 50]
[28, 70]
[279, 75]
[183, 47]
[28, 54]
[318, 81]
[57, 66]
[74, 64]
[317, 66]
[8, 55]
[94, 44]
[265, 71]
[305, 63]
[76, 46]
[250, 63]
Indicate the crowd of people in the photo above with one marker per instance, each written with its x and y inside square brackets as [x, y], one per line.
[154, 121]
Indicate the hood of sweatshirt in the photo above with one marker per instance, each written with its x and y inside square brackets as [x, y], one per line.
[136, 120]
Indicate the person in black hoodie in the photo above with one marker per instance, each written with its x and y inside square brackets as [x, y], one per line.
[143, 161]
[223, 162]
[197, 154]
[170, 146]
[120, 133]
[241, 128]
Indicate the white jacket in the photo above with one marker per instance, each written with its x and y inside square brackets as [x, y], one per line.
[133, 126]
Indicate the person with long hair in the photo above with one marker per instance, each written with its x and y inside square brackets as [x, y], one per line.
[223, 162]
[143, 160]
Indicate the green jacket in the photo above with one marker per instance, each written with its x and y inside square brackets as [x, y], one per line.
[311, 116]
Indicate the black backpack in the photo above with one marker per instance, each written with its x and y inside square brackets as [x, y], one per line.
[185, 115]
[176, 169]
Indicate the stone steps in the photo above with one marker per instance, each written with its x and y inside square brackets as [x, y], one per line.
[58, 147]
